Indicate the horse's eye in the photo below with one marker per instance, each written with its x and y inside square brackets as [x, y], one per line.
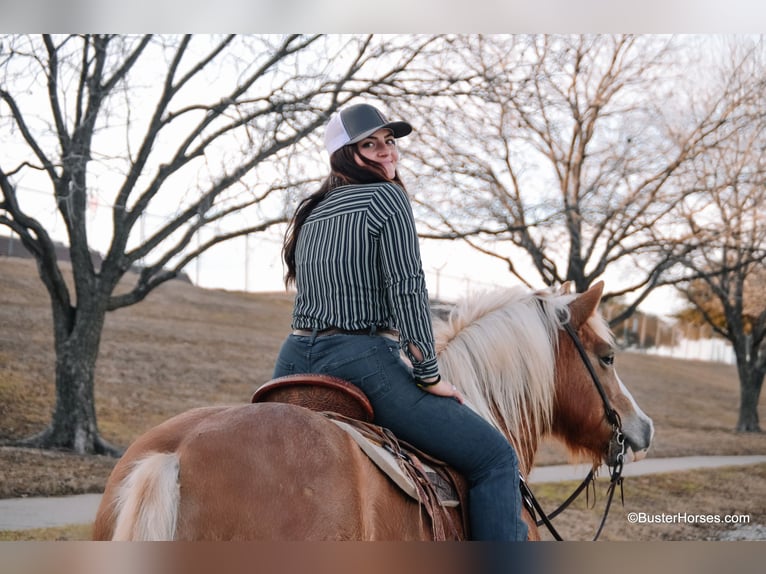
[608, 360]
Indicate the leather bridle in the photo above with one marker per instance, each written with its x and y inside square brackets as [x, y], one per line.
[616, 452]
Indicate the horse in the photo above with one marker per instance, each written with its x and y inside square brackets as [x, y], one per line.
[271, 471]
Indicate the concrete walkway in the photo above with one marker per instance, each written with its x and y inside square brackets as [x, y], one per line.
[647, 466]
[28, 513]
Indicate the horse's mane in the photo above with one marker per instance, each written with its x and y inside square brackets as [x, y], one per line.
[499, 349]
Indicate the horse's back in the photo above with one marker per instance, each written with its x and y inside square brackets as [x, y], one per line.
[260, 471]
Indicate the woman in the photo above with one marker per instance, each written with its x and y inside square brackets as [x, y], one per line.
[352, 252]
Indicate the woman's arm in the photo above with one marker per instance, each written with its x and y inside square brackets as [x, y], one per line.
[405, 283]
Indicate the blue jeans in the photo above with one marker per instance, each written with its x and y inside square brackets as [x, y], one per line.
[439, 426]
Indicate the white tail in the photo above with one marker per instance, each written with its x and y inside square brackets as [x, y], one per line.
[147, 503]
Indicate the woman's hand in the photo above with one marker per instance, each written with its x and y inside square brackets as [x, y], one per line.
[444, 389]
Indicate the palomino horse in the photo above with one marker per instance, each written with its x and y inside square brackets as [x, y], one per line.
[272, 471]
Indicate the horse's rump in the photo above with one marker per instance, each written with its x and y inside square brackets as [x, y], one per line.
[266, 472]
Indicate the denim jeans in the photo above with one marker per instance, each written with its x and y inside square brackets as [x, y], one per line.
[439, 426]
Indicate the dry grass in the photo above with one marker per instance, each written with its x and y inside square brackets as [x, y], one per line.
[180, 348]
[73, 532]
[671, 502]
[185, 347]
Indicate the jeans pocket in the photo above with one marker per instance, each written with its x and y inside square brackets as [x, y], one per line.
[364, 370]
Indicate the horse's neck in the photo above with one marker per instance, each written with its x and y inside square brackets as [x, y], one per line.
[505, 366]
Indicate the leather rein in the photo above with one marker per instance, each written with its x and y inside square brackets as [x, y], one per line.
[616, 452]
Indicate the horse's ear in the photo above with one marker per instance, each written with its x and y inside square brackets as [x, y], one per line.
[566, 288]
[585, 305]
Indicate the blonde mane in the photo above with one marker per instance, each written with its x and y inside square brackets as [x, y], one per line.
[499, 348]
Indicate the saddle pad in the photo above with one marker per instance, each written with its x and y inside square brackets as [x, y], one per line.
[388, 464]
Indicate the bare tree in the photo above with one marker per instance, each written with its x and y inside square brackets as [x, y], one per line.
[561, 155]
[728, 219]
[142, 123]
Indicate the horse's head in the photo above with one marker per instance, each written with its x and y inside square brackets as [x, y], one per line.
[580, 412]
[508, 352]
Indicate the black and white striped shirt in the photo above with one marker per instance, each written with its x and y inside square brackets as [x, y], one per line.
[358, 264]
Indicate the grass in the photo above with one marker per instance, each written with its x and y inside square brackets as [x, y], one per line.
[677, 498]
[185, 347]
[70, 532]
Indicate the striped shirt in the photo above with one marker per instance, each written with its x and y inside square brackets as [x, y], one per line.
[357, 265]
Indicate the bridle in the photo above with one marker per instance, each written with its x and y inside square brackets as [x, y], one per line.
[615, 451]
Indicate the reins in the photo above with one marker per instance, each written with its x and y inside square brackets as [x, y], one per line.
[616, 452]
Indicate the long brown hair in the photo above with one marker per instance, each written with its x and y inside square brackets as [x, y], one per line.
[344, 170]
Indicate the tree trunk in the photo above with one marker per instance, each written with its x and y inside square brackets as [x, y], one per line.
[750, 391]
[73, 425]
[751, 375]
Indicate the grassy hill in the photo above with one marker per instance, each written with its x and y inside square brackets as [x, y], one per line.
[185, 347]
[182, 347]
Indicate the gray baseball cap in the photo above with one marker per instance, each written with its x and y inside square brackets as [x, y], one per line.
[354, 123]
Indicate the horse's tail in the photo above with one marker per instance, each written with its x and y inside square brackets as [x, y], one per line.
[147, 502]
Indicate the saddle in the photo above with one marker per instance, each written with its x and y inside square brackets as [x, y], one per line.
[441, 490]
[319, 393]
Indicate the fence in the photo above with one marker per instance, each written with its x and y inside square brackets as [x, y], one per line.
[665, 337]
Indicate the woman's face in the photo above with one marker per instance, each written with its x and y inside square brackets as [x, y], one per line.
[380, 147]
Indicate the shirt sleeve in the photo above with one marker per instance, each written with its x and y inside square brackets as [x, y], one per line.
[404, 280]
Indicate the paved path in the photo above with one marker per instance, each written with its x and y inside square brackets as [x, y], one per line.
[27, 513]
[646, 466]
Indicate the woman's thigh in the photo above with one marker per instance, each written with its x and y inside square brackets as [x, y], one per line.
[448, 430]
[440, 426]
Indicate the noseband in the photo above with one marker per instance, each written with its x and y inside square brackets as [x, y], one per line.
[615, 452]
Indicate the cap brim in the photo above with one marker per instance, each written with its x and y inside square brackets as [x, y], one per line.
[399, 129]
